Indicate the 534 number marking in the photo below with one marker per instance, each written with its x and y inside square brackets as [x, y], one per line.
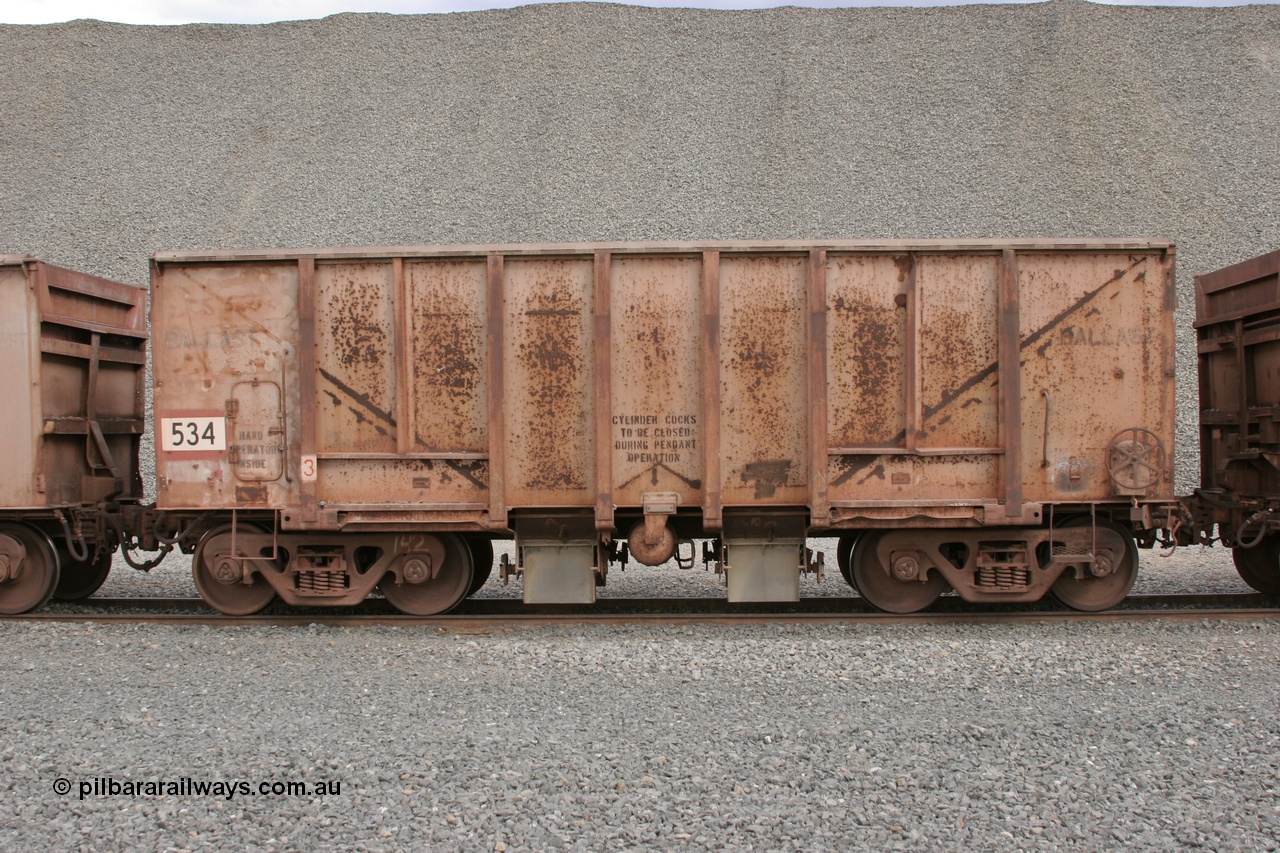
[178, 435]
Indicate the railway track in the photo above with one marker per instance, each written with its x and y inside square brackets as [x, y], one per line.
[495, 613]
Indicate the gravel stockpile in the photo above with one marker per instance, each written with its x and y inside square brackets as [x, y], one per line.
[1008, 737]
[601, 122]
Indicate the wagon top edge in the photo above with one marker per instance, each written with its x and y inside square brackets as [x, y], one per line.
[74, 281]
[1241, 290]
[691, 247]
[1241, 273]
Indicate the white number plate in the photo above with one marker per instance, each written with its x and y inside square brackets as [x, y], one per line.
[178, 435]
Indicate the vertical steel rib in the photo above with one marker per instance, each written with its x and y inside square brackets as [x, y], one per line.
[496, 355]
[1010, 356]
[712, 513]
[914, 413]
[819, 509]
[307, 380]
[402, 317]
[603, 392]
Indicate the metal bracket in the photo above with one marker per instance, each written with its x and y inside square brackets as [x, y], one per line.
[657, 507]
[507, 569]
[814, 564]
[12, 555]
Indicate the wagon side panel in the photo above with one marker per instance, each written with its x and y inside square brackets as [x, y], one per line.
[75, 351]
[657, 439]
[764, 417]
[915, 393]
[1096, 341]
[93, 345]
[549, 377]
[227, 373]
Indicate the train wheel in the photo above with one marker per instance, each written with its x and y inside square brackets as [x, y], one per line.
[220, 579]
[1259, 566]
[1117, 557]
[882, 589]
[79, 579]
[481, 563]
[436, 594]
[28, 553]
[844, 555]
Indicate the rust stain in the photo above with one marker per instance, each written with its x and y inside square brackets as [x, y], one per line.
[474, 472]
[448, 352]
[363, 400]
[551, 350]
[877, 472]
[358, 326]
[904, 263]
[1031, 340]
[251, 494]
[768, 476]
[764, 370]
[872, 365]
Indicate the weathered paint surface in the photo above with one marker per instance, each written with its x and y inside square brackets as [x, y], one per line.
[550, 375]
[449, 352]
[763, 390]
[655, 430]
[355, 358]
[958, 375]
[19, 419]
[958, 336]
[866, 327]
[1097, 357]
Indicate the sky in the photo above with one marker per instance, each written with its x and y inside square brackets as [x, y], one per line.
[264, 11]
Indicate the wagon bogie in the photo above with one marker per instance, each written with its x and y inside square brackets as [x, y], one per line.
[240, 568]
[1088, 564]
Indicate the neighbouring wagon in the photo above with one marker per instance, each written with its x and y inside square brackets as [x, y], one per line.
[1238, 344]
[73, 384]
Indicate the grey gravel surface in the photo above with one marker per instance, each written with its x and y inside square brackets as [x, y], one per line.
[573, 122]
[1009, 737]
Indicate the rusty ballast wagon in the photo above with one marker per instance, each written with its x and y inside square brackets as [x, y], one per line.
[1238, 343]
[74, 390]
[991, 416]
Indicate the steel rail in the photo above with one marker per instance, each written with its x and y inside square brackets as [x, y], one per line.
[499, 613]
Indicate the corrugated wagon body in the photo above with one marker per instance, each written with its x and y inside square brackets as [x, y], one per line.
[73, 384]
[1238, 336]
[420, 400]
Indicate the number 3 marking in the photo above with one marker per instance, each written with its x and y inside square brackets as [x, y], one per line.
[309, 469]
